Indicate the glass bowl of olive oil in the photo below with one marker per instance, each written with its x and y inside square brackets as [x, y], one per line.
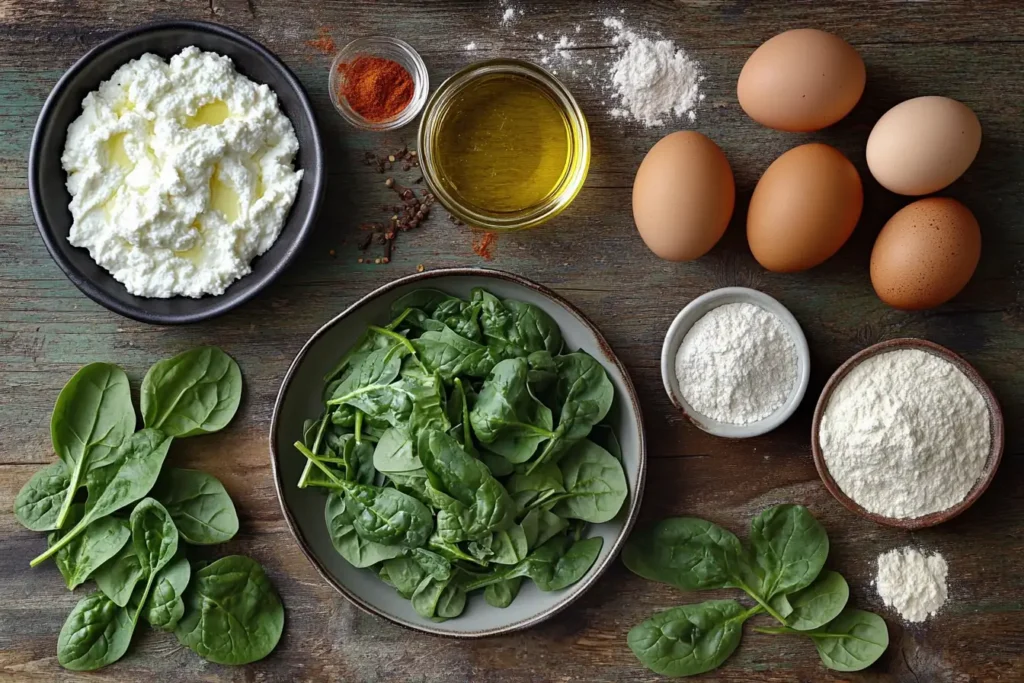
[504, 145]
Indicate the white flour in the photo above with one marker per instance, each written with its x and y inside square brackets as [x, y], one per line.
[653, 79]
[912, 584]
[639, 78]
[905, 434]
[737, 364]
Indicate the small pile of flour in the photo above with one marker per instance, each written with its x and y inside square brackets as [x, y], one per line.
[653, 79]
[737, 364]
[906, 434]
[912, 584]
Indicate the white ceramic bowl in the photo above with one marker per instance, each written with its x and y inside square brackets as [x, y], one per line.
[693, 312]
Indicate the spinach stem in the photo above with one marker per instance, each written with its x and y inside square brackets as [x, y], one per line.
[64, 540]
[757, 598]
[356, 393]
[304, 477]
[756, 609]
[394, 335]
[316, 461]
[777, 630]
[65, 507]
[398, 321]
[359, 426]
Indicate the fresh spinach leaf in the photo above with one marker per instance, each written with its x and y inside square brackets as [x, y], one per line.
[689, 640]
[395, 452]
[543, 372]
[154, 537]
[165, 607]
[816, 605]
[498, 465]
[232, 612]
[39, 502]
[554, 570]
[507, 418]
[585, 394]
[503, 593]
[95, 634]
[432, 563]
[685, 552]
[852, 641]
[196, 392]
[373, 374]
[357, 551]
[450, 354]
[517, 323]
[439, 600]
[116, 480]
[199, 505]
[405, 574]
[595, 485]
[488, 505]
[388, 516]
[536, 488]
[425, 299]
[118, 576]
[540, 525]
[88, 551]
[91, 418]
[505, 546]
[461, 316]
[790, 548]
[451, 551]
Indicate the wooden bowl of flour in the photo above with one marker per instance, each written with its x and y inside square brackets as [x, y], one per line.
[988, 471]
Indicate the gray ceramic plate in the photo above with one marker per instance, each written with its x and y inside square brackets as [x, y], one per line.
[299, 398]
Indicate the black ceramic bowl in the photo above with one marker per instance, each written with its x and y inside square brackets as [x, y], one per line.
[50, 198]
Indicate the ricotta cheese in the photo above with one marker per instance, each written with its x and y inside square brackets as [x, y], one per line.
[180, 174]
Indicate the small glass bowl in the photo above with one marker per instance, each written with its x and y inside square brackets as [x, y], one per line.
[579, 162]
[387, 48]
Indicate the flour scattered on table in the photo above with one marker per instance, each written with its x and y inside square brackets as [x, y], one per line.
[911, 583]
[470, 47]
[562, 47]
[649, 79]
[653, 79]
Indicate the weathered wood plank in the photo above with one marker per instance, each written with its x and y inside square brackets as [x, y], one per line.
[593, 256]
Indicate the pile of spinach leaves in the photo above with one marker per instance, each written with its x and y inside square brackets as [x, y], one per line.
[456, 448]
[781, 571]
[117, 516]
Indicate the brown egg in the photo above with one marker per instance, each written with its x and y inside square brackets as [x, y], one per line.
[925, 254]
[804, 208]
[922, 145]
[801, 80]
[683, 196]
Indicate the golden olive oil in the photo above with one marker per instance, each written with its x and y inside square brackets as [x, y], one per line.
[504, 144]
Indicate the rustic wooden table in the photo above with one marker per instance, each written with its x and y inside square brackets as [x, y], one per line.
[593, 256]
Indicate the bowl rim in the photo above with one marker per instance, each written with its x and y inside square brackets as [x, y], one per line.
[681, 326]
[603, 347]
[996, 425]
[225, 302]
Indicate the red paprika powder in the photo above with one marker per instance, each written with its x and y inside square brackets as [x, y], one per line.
[377, 89]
